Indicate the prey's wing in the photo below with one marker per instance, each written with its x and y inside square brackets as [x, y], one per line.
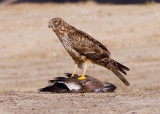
[86, 45]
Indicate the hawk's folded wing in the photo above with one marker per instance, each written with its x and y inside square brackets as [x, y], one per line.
[85, 45]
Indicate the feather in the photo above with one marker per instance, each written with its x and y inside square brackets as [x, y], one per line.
[119, 75]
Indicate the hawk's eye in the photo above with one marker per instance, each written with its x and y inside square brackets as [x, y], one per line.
[56, 22]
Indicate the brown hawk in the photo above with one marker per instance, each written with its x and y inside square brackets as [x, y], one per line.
[83, 48]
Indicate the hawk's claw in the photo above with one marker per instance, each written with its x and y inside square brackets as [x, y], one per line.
[81, 78]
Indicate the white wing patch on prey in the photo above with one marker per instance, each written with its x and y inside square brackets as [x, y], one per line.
[73, 86]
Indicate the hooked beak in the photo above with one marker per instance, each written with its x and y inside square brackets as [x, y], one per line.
[50, 24]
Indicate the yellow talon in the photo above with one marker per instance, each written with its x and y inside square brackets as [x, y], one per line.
[82, 78]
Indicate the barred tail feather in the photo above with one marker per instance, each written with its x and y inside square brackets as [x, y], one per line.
[119, 75]
[119, 66]
[122, 66]
[116, 68]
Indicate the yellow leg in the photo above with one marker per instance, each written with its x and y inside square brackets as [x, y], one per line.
[74, 70]
[83, 77]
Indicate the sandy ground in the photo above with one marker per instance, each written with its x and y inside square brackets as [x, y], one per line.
[31, 54]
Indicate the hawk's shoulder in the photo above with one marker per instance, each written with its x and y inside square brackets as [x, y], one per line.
[86, 45]
[76, 34]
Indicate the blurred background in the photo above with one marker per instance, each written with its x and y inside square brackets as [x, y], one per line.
[98, 1]
[31, 54]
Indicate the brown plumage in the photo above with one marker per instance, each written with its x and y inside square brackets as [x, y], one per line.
[83, 48]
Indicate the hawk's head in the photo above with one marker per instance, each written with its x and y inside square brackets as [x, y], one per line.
[55, 23]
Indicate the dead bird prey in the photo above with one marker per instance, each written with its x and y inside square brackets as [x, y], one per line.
[83, 48]
[73, 85]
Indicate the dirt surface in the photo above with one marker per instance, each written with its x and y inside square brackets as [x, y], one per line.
[31, 54]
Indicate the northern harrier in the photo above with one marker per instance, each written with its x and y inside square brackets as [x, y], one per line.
[83, 48]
